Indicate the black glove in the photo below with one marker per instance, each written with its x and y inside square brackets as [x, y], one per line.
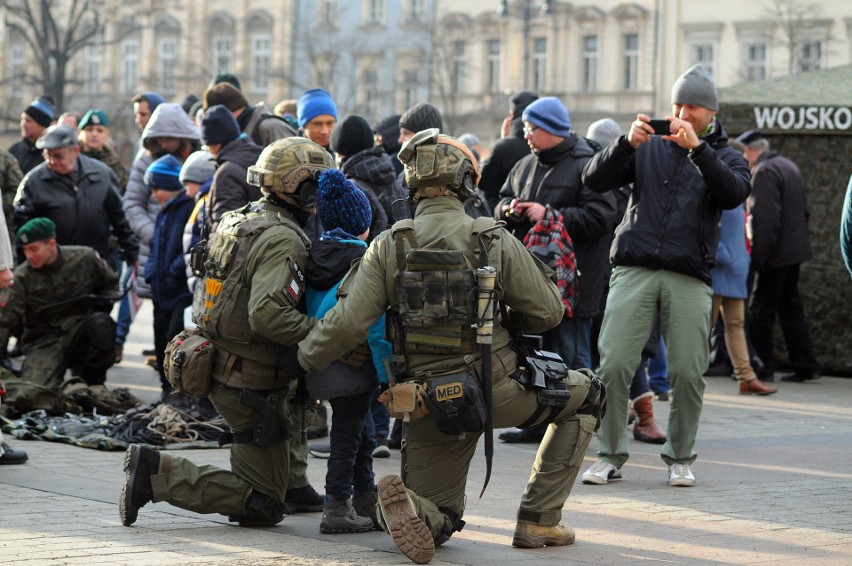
[288, 362]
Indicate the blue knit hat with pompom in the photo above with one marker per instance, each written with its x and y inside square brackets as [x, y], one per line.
[340, 204]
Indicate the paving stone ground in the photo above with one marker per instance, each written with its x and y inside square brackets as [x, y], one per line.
[774, 487]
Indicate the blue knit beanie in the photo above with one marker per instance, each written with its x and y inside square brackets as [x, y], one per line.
[218, 126]
[313, 103]
[164, 174]
[549, 114]
[340, 204]
[40, 110]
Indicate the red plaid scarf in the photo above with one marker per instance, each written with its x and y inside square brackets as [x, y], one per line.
[550, 242]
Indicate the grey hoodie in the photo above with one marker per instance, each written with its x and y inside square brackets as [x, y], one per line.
[168, 120]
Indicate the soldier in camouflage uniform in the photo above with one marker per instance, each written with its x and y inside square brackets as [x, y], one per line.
[440, 173]
[248, 300]
[60, 327]
[10, 178]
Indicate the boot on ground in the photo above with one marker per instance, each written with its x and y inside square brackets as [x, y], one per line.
[339, 516]
[528, 535]
[645, 429]
[140, 463]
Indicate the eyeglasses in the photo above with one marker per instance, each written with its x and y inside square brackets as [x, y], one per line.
[530, 130]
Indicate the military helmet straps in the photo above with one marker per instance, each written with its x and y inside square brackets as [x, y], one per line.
[284, 167]
[432, 159]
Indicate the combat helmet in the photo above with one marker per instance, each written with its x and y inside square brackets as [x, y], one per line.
[289, 168]
[432, 159]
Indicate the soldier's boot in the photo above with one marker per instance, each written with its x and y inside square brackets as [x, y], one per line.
[530, 535]
[340, 517]
[645, 429]
[261, 511]
[365, 503]
[140, 463]
[410, 534]
[303, 500]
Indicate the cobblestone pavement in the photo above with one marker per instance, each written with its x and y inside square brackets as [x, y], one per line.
[774, 486]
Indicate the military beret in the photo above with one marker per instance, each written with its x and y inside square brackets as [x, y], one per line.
[35, 230]
[94, 117]
[746, 138]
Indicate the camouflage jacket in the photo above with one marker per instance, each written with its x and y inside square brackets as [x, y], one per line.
[10, 178]
[109, 158]
[78, 271]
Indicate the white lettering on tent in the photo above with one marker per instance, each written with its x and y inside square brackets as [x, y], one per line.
[809, 118]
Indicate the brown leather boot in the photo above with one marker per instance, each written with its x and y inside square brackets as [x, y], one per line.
[645, 429]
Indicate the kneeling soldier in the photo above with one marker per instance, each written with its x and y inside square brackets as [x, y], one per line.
[248, 302]
[424, 271]
[59, 306]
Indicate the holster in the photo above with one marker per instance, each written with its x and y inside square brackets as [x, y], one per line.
[267, 429]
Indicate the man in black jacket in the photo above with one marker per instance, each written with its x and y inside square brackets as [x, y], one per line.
[79, 194]
[780, 243]
[550, 177]
[508, 150]
[662, 254]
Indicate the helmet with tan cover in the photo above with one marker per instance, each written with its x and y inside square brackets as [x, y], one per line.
[432, 159]
[289, 168]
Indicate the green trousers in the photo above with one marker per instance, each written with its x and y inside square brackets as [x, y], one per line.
[437, 465]
[636, 294]
[296, 445]
[210, 489]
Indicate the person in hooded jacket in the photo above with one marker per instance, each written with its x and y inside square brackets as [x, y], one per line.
[234, 153]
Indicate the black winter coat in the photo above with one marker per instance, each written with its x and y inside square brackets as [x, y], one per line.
[505, 154]
[230, 190]
[779, 214]
[672, 219]
[372, 170]
[553, 177]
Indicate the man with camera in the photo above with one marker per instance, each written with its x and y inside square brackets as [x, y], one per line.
[663, 252]
[550, 178]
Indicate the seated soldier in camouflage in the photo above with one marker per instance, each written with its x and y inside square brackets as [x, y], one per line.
[59, 306]
[403, 269]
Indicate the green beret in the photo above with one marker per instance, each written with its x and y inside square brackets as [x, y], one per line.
[35, 230]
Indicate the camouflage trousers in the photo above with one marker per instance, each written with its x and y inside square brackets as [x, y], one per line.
[88, 349]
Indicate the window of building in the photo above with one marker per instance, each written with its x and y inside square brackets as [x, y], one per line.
[409, 88]
[223, 52]
[702, 54]
[16, 71]
[129, 65]
[261, 49]
[631, 61]
[755, 61]
[458, 67]
[375, 11]
[539, 64]
[415, 10]
[328, 12]
[92, 69]
[809, 57]
[590, 63]
[167, 65]
[370, 82]
[493, 65]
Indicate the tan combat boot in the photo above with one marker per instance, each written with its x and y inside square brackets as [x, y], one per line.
[409, 532]
[528, 535]
[645, 429]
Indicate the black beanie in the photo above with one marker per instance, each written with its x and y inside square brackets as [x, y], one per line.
[218, 126]
[520, 100]
[351, 135]
[388, 128]
[421, 117]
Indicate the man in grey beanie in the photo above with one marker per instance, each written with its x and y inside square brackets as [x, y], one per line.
[662, 255]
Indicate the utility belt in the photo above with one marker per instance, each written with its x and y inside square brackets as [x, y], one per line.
[453, 398]
[267, 427]
[239, 372]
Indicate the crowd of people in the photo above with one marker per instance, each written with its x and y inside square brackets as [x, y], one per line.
[326, 259]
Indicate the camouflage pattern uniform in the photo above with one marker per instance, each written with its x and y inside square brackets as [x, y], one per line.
[77, 334]
[437, 464]
[109, 158]
[10, 178]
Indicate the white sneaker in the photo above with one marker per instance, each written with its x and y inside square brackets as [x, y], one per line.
[681, 476]
[322, 451]
[601, 472]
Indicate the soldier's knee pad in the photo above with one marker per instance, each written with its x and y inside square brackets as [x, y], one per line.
[260, 510]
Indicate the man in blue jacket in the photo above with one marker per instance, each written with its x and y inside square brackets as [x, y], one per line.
[663, 252]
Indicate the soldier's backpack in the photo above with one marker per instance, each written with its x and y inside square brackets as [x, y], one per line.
[549, 241]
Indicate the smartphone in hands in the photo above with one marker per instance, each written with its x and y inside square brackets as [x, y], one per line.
[660, 126]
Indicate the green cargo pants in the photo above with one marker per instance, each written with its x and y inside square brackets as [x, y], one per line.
[297, 447]
[635, 296]
[437, 465]
[209, 489]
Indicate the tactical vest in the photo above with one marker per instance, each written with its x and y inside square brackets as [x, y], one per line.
[220, 300]
[436, 297]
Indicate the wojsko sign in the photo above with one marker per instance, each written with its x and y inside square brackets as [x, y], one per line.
[824, 118]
